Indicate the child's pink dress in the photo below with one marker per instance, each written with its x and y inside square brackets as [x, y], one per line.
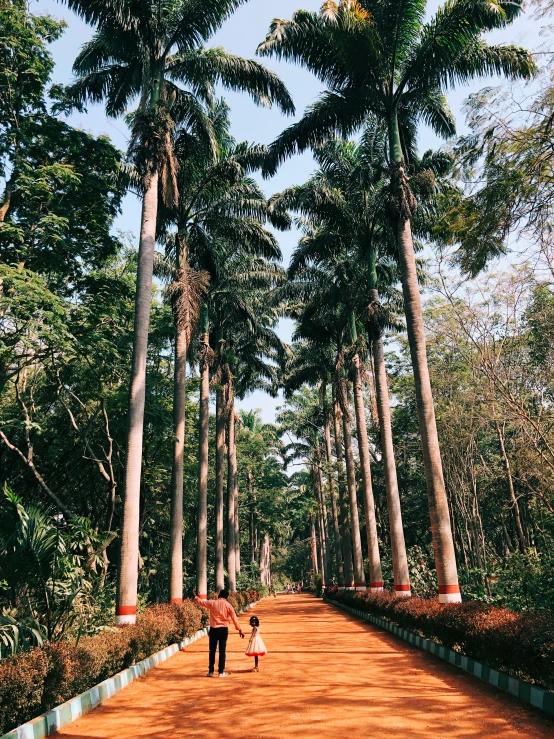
[256, 647]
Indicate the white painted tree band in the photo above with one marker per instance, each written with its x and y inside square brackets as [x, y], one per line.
[126, 620]
[450, 597]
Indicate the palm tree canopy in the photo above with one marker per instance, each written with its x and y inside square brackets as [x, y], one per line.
[141, 46]
[380, 57]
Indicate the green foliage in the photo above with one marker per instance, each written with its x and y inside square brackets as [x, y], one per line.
[43, 566]
[521, 644]
[61, 192]
[18, 634]
[384, 58]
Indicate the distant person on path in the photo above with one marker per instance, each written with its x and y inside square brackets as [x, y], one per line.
[256, 647]
[221, 612]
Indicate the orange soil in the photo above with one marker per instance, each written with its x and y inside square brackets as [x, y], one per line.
[326, 675]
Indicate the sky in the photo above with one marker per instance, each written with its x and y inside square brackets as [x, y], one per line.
[240, 35]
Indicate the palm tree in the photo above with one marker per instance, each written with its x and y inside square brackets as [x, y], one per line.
[151, 51]
[220, 205]
[346, 200]
[379, 57]
[242, 274]
[304, 421]
[313, 363]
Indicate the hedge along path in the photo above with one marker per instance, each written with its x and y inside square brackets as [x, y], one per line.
[327, 674]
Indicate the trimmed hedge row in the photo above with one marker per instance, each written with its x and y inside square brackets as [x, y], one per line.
[34, 682]
[519, 643]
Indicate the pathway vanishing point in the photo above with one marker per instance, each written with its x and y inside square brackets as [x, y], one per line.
[327, 675]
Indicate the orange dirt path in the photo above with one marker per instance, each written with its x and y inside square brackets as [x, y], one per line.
[326, 674]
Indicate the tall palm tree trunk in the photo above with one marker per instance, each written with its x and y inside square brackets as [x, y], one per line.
[251, 517]
[231, 485]
[319, 519]
[358, 560]
[219, 482]
[324, 520]
[443, 544]
[265, 561]
[313, 542]
[176, 530]
[203, 451]
[127, 581]
[179, 405]
[400, 568]
[333, 498]
[375, 572]
[343, 503]
[237, 525]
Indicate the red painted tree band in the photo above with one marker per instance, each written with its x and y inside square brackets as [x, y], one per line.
[126, 610]
[177, 601]
[375, 584]
[360, 585]
[448, 589]
[402, 588]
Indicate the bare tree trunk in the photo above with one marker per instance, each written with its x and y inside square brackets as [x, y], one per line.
[319, 519]
[513, 498]
[251, 517]
[358, 560]
[203, 451]
[237, 525]
[265, 561]
[400, 567]
[176, 530]
[344, 518]
[219, 482]
[313, 543]
[333, 497]
[127, 580]
[375, 572]
[443, 544]
[231, 485]
[328, 569]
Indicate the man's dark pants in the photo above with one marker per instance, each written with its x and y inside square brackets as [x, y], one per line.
[218, 636]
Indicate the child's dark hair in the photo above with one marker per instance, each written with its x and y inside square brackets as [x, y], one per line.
[254, 621]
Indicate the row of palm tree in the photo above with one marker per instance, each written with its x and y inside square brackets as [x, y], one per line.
[385, 69]
[153, 52]
[381, 60]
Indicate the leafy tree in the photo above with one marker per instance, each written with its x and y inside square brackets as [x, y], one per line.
[61, 194]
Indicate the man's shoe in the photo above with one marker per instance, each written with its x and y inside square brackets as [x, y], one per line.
[210, 674]
[222, 674]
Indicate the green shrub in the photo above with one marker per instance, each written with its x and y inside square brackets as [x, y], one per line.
[22, 679]
[33, 682]
[519, 643]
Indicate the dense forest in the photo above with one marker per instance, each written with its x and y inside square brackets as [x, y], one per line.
[413, 449]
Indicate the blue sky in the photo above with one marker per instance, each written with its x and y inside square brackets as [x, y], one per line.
[241, 35]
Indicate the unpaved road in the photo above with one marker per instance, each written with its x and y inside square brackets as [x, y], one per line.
[327, 674]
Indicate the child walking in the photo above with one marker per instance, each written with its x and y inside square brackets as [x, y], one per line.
[256, 647]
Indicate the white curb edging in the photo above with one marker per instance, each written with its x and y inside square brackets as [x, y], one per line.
[48, 723]
[527, 692]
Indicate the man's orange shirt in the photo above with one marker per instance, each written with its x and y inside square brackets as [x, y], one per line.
[220, 612]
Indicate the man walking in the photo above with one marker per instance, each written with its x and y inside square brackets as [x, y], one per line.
[221, 611]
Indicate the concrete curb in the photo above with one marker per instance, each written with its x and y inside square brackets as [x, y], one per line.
[525, 691]
[48, 723]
